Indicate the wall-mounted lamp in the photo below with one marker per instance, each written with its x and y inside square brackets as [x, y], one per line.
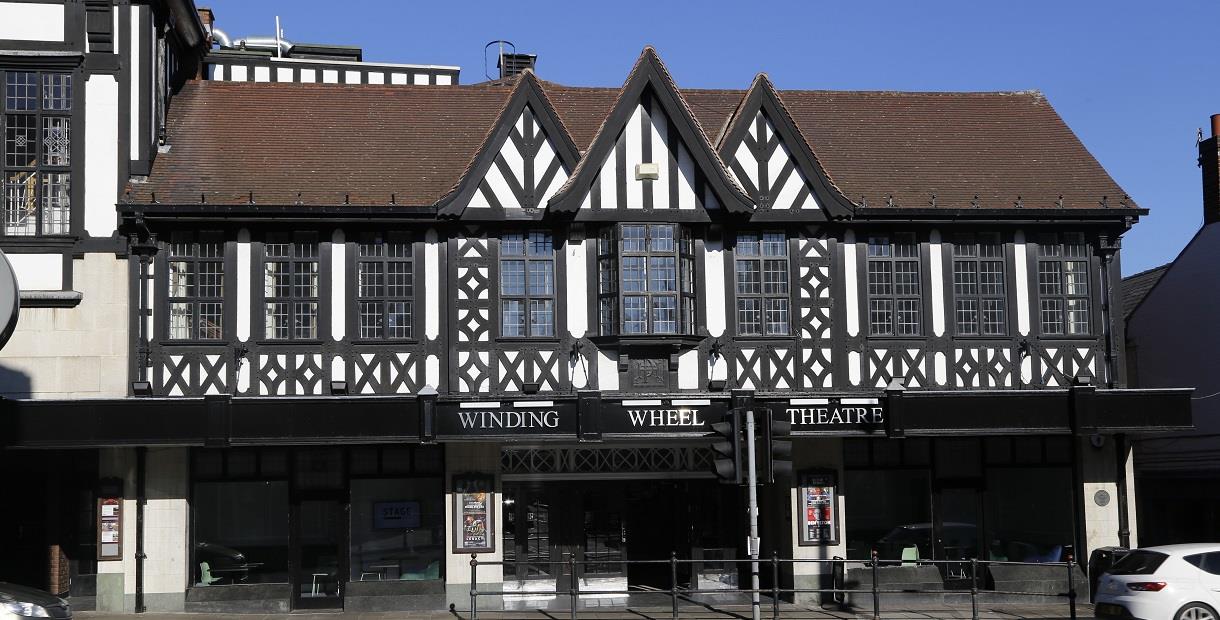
[531, 387]
[338, 388]
[141, 388]
[716, 385]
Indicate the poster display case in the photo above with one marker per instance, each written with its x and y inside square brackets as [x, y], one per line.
[817, 504]
[474, 513]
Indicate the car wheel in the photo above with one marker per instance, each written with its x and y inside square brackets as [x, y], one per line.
[1196, 611]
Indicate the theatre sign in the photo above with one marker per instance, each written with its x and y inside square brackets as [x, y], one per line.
[594, 418]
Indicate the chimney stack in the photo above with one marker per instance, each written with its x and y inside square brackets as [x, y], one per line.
[207, 17]
[512, 64]
[1209, 160]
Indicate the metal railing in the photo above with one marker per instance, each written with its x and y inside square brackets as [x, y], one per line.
[874, 590]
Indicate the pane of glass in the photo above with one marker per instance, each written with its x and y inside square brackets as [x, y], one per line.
[541, 278]
[688, 275]
[777, 317]
[664, 314]
[180, 279]
[661, 238]
[1049, 281]
[375, 249]
[775, 277]
[909, 317]
[211, 320]
[398, 319]
[276, 280]
[881, 317]
[512, 244]
[607, 276]
[894, 516]
[305, 280]
[57, 91]
[905, 246]
[748, 245]
[19, 211]
[993, 317]
[634, 274]
[512, 277]
[774, 244]
[1075, 246]
[277, 326]
[967, 313]
[749, 277]
[56, 141]
[399, 279]
[21, 91]
[20, 140]
[513, 318]
[880, 278]
[370, 319]
[965, 246]
[991, 277]
[1048, 245]
[1078, 316]
[1052, 316]
[663, 274]
[540, 244]
[277, 249]
[749, 316]
[241, 532]
[180, 327]
[306, 319]
[1076, 276]
[370, 279]
[607, 315]
[633, 238]
[605, 241]
[990, 246]
[397, 529]
[906, 277]
[965, 278]
[1009, 533]
[878, 247]
[635, 315]
[542, 317]
[321, 526]
[56, 203]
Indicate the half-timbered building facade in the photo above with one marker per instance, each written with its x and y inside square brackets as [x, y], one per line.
[387, 326]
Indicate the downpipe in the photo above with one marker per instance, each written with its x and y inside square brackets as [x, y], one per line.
[141, 501]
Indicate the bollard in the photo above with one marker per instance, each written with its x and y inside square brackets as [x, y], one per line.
[775, 585]
[474, 593]
[974, 588]
[1071, 588]
[673, 584]
[574, 588]
[876, 595]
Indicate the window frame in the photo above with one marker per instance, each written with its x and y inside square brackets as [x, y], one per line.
[610, 250]
[526, 297]
[891, 260]
[357, 297]
[294, 242]
[761, 259]
[1054, 250]
[195, 259]
[40, 172]
[977, 259]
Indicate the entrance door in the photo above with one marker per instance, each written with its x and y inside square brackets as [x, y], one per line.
[319, 542]
[959, 529]
[545, 524]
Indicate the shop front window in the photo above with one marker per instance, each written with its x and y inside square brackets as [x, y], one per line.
[889, 511]
[241, 532]
[397, 529]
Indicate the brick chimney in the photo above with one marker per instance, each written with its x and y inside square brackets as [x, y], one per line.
[1209, 160]
[512, 64]
[207, 17]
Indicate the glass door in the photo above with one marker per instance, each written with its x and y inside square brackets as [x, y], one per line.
[958, 531]
[319, 546]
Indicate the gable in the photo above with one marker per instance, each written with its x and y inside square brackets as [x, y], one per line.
[526, 170]
[648, 137]
[767, 171]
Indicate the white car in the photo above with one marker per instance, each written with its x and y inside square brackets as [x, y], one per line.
[1173, 582]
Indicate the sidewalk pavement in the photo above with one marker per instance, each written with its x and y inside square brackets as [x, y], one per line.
[725, 612]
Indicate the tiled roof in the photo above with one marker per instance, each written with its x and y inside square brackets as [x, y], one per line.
[361, 144]
[1136, 287]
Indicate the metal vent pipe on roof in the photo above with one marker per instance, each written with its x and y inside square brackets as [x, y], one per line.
[264, 42]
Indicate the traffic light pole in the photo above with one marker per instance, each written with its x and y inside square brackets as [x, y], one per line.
[752, 543]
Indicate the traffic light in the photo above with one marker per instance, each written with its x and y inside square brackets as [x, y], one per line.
[728, 448]
[776, 450]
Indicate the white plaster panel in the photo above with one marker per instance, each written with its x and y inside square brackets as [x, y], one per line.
[688, 370]
[309, 76]
[243, 285]
[28, 21]
[658, 130]
[283, 74]
[351, 77]
[713, 282]
[432, 371]
[607, 372]
[101, 155]
[338, 286]
[262, 74]
[577, 287]
[635, 155]
[133, 57]
[444, 80]
[421, 79]
[432, 293]
[237, 73]
[398, 78]
[38, 272]
[936, 264]
[1021, 271]
[330, 76]
[849, 284]
[376, 78]
[338, 370]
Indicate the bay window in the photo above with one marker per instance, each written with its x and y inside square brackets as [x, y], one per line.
[646, 279]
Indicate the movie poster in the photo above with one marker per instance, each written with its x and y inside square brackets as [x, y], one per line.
[473, 501]
[819, 518]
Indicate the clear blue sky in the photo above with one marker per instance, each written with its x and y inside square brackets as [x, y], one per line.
[1134, 79]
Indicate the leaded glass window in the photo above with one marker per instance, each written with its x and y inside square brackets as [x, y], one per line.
[645, 280]
[1063, 284]
[385, 288]
[895, 301]
[761, 273]
[527, 284]
[290, 289]
[37, 180]
[196, 274]
[980, 306]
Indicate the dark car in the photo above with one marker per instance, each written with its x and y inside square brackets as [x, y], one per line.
[25, 602]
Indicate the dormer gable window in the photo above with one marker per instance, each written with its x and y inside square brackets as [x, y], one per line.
[646, 276]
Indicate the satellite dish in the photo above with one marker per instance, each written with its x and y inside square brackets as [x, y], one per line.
[10, 299]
